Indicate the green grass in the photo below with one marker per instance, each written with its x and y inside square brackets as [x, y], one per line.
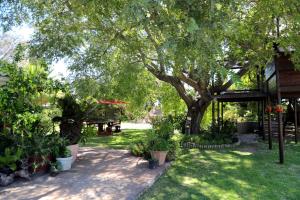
[120, 140]
[231, 174]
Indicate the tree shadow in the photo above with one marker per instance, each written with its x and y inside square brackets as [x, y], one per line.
[97, 174]
[233, 174]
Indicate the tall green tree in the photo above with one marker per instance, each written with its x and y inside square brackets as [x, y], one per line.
[189, 44]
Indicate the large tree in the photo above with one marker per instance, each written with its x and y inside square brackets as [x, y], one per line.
[189, 44]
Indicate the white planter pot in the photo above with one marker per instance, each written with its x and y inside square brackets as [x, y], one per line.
[65, 163]
[74, 151]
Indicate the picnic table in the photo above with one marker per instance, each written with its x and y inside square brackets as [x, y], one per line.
[109, 118]
[110, 124]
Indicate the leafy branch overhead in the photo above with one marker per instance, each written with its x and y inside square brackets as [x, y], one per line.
[191, 45]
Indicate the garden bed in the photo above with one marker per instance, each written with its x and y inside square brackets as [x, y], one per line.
[192, 145]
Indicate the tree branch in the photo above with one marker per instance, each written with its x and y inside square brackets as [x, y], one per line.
[190, 82]
[156, 46]
[226, 85]
[174, 81]
[177, 84]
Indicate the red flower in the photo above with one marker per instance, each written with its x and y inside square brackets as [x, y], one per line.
[268, 109]
[278, 109]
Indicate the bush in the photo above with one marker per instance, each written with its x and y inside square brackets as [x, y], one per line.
[174, 146]
[162, 127]
[178, 121]
[87, 132]
[24, 124]
[71, 121]
[228, 129]
[159, 144]
[160, 138]
[163, 137]
[140, 149]
[10, 158]
[59, 145]
[224, 136]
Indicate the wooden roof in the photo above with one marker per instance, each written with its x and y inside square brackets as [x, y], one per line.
[241, 96]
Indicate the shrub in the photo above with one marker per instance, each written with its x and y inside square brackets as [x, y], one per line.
[228, 129]
[159, 144]
[87, 132]
[59, 145]
[174, 146]
[22, 110]
[162, 127]
[140, 149]
[10, 157]
[65, 153]
[71, 121]
[224, 136]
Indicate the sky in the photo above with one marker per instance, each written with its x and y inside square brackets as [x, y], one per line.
[24, 33]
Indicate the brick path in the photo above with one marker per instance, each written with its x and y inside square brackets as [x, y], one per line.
[97, 174]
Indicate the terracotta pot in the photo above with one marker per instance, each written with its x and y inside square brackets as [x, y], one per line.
[43, 165]
[74, 151]
[160, 156]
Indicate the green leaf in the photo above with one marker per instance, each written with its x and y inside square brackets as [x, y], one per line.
[218, 6]
[192, 26]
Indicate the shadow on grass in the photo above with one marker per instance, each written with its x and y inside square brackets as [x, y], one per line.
[231, 174]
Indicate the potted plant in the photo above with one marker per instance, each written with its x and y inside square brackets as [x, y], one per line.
[39, 149]
[8, 165]
[65, 159]
[153, 163]
[159, 138]
[55, 168]
[159, 148]
[279, 108]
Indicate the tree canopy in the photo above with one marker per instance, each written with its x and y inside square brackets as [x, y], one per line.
[188, 44]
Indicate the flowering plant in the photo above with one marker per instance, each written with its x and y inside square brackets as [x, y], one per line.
[268, 109]
[278, 108]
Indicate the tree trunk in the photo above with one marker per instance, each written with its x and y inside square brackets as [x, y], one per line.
[195, 115]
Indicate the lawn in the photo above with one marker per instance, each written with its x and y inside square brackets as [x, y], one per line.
[231, 174]
[120, 140]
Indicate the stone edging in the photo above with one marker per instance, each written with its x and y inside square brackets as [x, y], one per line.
[149, 185]
[192, 145]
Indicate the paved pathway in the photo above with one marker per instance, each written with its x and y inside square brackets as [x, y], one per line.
[97, 174]
[132, 125]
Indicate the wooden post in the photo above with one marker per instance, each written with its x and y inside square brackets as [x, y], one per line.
[280, 138]
[218, 107]
[269, 126]
[269, 131]
[263, 119]
[296, 120]
[279, 117]
[222, 114]
[100, 128]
